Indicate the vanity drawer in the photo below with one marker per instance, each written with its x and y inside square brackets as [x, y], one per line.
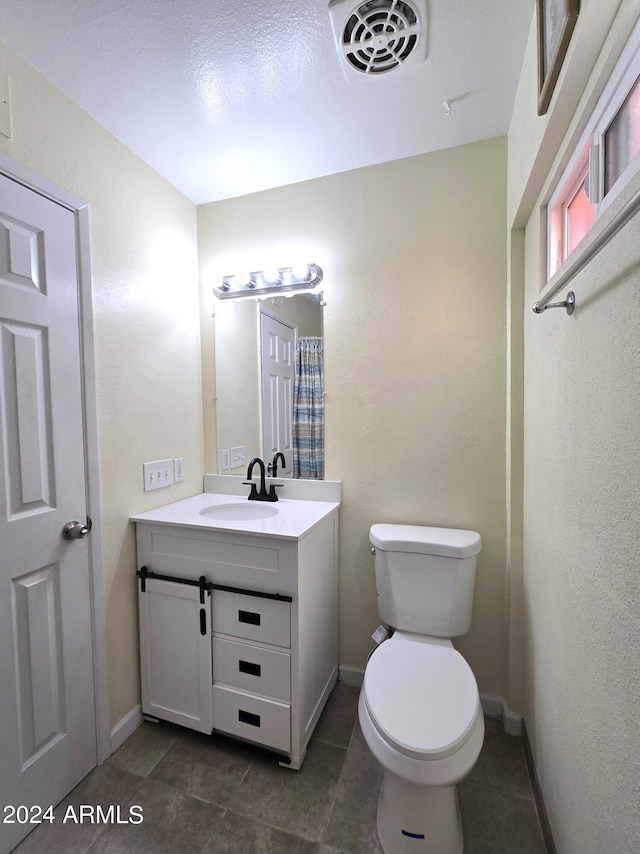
[252, 668]
[252, 617]
[253, 718]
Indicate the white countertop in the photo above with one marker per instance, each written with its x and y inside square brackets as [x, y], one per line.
[294, 517]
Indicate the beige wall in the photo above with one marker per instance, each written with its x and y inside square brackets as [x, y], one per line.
[145, 298]
[414, 260]
[581, 587]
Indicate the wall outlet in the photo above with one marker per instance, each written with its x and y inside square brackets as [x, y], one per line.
[225, 460]
[178, 470]
[158, 474]
[237, 456]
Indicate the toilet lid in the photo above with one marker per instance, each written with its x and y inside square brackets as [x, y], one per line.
[422, 697]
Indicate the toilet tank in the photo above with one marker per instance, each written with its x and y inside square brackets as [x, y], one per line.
[425, 577]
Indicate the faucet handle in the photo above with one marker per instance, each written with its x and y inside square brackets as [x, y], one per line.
[253, 495]
[273, 495]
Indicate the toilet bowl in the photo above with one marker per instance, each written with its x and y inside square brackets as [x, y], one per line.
[421, 717]
[419, 707]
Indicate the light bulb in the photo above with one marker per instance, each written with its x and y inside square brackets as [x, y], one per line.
[243, 278]
[272, 276]
[301, 272]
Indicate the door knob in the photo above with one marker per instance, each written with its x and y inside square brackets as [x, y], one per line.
[74, 531]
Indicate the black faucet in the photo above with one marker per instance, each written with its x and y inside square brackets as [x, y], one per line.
[272, 468]
[254, 495]
[261, 495]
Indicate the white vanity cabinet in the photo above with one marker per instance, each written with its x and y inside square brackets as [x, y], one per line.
[238, 631]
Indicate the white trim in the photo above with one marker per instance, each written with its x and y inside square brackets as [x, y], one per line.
[19, 173]
[496, 706]
[126, 726]
[621, 83]
[493, 705]
[275, 315]
[353, 676]
[512, 723]
[624, 74]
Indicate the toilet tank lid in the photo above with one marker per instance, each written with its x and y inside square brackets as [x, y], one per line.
[419, 539]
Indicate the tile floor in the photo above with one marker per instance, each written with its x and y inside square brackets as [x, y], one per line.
[210, 795]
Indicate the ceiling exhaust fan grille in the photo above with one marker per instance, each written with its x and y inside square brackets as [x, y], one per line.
[380, 35]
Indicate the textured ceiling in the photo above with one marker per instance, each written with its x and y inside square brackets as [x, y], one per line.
[228, 97]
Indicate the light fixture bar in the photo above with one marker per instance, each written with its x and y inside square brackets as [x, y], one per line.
[269, 282]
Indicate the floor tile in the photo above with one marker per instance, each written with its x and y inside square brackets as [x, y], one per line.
[68, 834]
[142, 751]
[172, 822]
[298, 802]
[497, 823]
[357, 739]
[501, 764]
[204, 766]
[235, 834]
[352, 825]
[337, 721]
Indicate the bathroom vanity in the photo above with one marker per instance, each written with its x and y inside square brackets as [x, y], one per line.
[238, 614]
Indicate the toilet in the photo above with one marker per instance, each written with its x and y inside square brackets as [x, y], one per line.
[419, 707]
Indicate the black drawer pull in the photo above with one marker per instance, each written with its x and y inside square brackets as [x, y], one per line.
[249, 617]
[203, 621]
[250, 668]
[248, 718]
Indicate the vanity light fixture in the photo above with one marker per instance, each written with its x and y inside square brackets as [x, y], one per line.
[269, 282]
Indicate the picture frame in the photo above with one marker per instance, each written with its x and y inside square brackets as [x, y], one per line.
[556, 22]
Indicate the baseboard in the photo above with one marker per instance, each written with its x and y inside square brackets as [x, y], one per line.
[125, 727]
[496, 706]
[493, 706]
[351, 676]
[543, 818]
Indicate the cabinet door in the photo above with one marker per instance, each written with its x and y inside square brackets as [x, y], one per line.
[175, 648]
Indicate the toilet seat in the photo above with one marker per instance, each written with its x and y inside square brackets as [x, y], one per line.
[422, 697]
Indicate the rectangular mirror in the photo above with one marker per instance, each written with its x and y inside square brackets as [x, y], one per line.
[269, 368]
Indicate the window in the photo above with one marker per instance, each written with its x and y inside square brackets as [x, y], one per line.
[604, 161]
[622, 138]
[570, 213]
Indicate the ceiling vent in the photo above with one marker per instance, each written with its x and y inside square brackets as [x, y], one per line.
[379, 36]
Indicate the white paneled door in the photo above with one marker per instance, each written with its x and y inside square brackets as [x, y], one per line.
[47, 714]
[278, 347]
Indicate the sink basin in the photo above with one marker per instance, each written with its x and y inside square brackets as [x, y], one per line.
[239, 512]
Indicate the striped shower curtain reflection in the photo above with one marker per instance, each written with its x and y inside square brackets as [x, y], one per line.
[308, 409]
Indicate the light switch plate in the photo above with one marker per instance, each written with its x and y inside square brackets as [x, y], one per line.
[237, 456]
[158, 474]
